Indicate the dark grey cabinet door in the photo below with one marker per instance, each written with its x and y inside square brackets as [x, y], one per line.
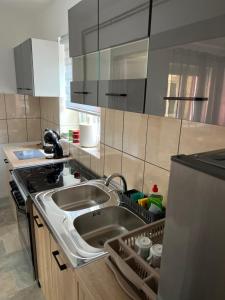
[83, 27]
[127, 95]
[84, 92]
[77, 91]
[27, 67]
[186, 60]
[122, 21]
[18, 57]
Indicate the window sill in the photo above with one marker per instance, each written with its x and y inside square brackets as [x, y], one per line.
[94, 151]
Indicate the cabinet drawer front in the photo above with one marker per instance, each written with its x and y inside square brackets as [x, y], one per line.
[77, 89]
[91, 98]
[127, 95]
[122, 21]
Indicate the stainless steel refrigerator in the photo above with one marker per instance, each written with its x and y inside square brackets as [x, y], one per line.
[193, 262]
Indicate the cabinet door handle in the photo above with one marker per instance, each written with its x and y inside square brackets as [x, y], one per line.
[81, 93]
[28, 89]
[39, 225]
[116, 94]
[61, 267]
[186, 98]
[6, 161]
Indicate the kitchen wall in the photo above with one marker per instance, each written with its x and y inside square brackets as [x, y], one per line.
[52, 22]
[20, 118]
[55, 116]
[140, 146]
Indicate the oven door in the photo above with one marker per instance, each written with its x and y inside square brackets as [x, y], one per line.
[23, 222]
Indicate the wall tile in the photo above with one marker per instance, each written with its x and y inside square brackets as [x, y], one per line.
[15, 106]
[3, 132]
[134, 136]
[133, 171]
[102, 124]
[34, 129]
[113, 159]
[97, 164]
[2, 107]
[32, 107]
[198, 137]
[162, 140]
[17, 130]
[114, 128]
[74, 151]
[155, 175]
[84, 158]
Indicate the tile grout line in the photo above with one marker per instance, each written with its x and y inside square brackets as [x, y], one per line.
[178, 147]
[146, 142]
[25, 114]
[7, 126]
[122, 143]
[145, 161]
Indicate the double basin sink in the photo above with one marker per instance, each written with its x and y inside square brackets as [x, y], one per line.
[84, 217]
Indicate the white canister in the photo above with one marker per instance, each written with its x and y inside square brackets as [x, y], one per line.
[88, 135]
[142, 246]
[156, 253]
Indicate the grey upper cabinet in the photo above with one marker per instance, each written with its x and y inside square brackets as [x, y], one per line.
[19, 67]
[123, 73]
[186, 63]
[27, 67]
[24, 68]
[84, 87]
[83, 28]
[122, 21]
[37, 68]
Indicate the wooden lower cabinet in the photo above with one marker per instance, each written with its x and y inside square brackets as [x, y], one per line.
[42, 238]
[56, 279]
[60, 282]
[63, 282]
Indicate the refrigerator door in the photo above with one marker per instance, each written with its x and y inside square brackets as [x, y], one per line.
[194, 241]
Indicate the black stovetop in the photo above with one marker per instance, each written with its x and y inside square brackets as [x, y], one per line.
[46, 177]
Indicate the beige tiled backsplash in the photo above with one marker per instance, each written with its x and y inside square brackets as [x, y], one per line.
[20, 118]
[140, 146]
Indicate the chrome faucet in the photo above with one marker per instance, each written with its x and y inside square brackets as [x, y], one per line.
[110, 177]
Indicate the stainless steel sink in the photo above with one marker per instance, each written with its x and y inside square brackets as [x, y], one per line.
[83, 217]
[101, 225]
[80, 197]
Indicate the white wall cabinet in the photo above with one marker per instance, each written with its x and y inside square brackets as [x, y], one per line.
[37, 68]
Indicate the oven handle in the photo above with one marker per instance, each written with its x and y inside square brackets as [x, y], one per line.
[23, 211]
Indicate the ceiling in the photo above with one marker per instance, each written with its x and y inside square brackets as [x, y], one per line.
[25, 5]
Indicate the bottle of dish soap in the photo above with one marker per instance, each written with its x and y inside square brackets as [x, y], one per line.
[155, 201]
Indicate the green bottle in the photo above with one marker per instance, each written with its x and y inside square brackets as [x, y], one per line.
[155, 200]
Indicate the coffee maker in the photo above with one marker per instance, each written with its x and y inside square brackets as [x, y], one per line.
[51, 143]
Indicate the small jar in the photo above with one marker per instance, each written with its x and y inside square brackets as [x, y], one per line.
[156, 254]
[142, 246]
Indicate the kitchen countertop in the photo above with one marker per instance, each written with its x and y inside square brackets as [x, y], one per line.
[99, 280]
[16, 163]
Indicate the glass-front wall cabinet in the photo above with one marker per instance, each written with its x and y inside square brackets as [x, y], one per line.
[123, 73]
[84, 86]
[186, 72]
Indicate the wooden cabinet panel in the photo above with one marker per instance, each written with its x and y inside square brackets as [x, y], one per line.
[42, 238]
[63, 283]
